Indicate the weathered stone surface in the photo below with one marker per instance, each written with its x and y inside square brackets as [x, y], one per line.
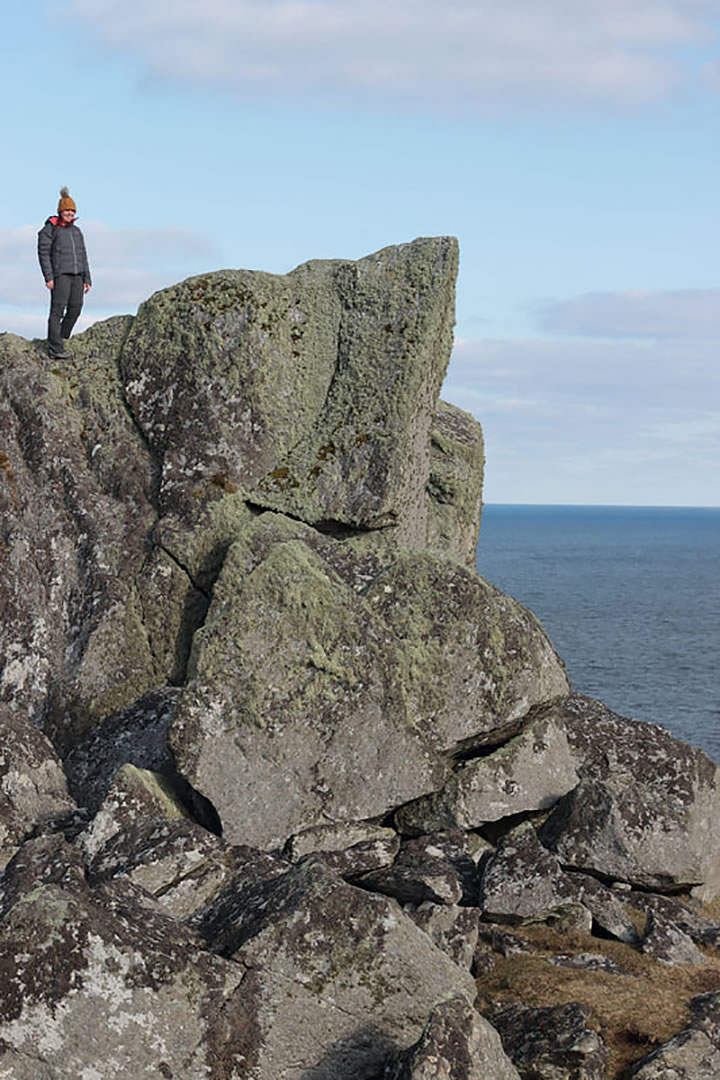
[693, 1054]
[352, 699]
[587, 962]
[76, 505]
[552, 1043]
[343, 976]
[314, 392]
[530, 772]
[522, 880]
[422, 871]
[645, 810]
[177, 861]
[457, 1044]
[110, 985]
[133, 736]
[457, 462]
[688, 1056]
[453, 929]
[335, 838]
[32, 783]
[295, 689]
[702, 930]
[667, 943]
[473, 662]
[354, 862]
[134, 794]
[608, 911]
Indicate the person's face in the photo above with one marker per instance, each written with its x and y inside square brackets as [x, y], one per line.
[67, 216]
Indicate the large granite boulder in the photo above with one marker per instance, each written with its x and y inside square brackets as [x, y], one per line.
[646, 807]
[345, 704]
[100, 982]
[342, 977]
[313, 392]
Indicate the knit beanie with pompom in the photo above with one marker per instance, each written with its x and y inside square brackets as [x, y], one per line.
[66, 203]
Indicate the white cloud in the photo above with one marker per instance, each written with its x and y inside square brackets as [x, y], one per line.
[427, 51]
[682, 313]
[594, 421]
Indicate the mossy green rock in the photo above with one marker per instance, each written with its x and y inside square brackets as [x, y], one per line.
[313, 702]
[314, 393]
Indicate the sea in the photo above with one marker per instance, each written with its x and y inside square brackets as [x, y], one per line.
[630, 598]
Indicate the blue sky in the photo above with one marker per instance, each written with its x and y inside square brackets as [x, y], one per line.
[571, 145]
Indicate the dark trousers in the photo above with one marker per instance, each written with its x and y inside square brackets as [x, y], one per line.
[66, 301]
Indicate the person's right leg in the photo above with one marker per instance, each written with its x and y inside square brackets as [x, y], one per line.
[74, 305]
[58, 302]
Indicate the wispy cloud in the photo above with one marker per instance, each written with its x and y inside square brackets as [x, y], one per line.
[638, 313]
[416, 51]
[630, 422]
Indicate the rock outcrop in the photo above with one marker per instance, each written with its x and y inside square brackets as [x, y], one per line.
[278, 770]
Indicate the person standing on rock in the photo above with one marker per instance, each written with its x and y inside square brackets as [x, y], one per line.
[65, 267]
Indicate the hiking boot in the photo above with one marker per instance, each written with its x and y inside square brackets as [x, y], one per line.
[59, 355]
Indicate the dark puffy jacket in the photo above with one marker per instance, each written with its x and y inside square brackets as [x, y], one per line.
[61, 250]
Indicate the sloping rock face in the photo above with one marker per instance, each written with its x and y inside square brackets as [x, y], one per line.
[277, 768]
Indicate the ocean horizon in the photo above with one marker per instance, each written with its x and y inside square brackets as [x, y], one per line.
[630, 598]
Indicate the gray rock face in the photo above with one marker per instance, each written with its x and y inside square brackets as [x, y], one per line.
[344, 703]
[85, 996]
[314, 392]
[33, 788]
[456, 1044]
[530, 772]
[552, 1044]
[329, 957]
[688, 1056]
[299, 732]
[644, 812]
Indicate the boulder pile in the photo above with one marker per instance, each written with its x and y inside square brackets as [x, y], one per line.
[286, 788]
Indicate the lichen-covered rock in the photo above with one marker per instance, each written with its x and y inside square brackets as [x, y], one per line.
[473, 662]
[688, 1056]
[177, 861]
[453, 929]
[135, 794]
[295, 689]
[421, 872]
[699, 927]
[552, 1043]
[345, 704]
[342, 976]
[456, 1044]
[646, 809]
[76, 504]
[529, 772]
[314, 392]
[337, 838]
[667, 943]
[457, 462]
[112, 987]
[32, 783]
[522, 880]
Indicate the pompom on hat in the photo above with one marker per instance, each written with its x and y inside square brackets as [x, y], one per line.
[66, 203]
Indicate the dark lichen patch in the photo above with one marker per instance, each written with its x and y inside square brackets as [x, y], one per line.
[8, 470]
[327, 451]
[280, 479]
[222, 480]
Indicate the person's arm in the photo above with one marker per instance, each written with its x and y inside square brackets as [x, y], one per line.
[45, 239]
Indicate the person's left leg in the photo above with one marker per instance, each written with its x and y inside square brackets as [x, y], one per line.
[74, 306]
